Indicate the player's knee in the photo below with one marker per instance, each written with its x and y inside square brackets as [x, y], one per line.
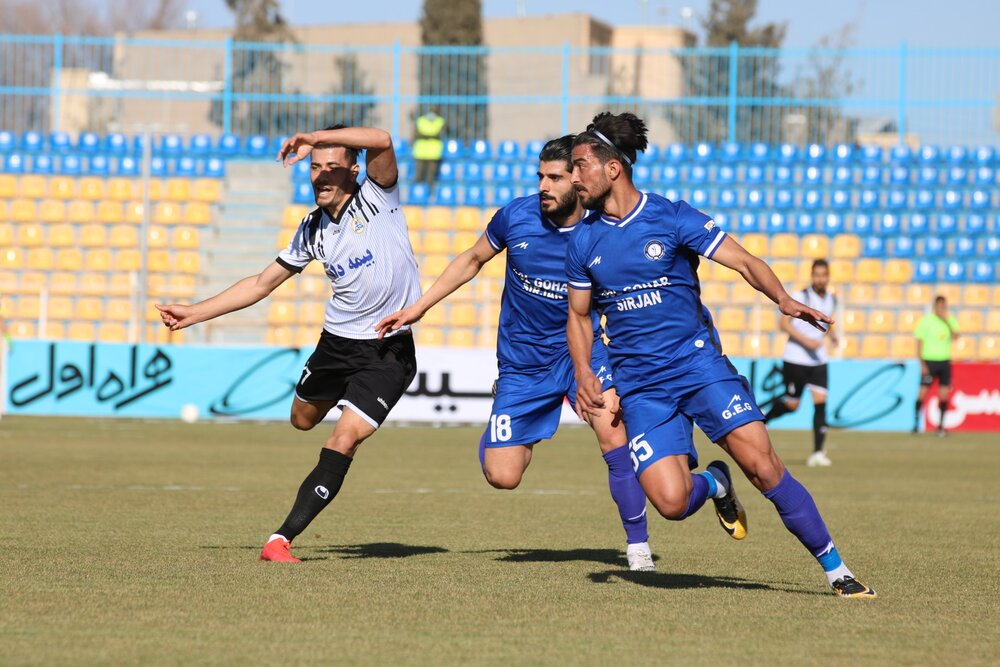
[345, 443]
[792, 403]
[302, 422]
[670, 505]
[504, 479]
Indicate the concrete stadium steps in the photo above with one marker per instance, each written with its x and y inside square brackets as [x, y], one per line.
[253, 201]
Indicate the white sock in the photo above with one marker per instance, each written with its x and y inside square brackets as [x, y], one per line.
[638, 546]
[276, 537]
[838, 573]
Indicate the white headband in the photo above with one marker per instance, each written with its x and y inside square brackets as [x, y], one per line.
[603, 138]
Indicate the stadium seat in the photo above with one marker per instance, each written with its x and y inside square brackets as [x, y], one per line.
[13, 164]
[873, 247]
[732, 319]
[80, 211]
[438, 217]
[953, 272]
[166, 213]
[846, 246]
[178, 189]
[814, 246]
[7, 233]
[184, 238]
[42, 163]
[898, 271]
[30, 235]
[197, 213]
[756, 346]
[61, 235]
[112, 332]
[989, 348]
[874, 347]
[81, 331]
[970, 321]
[207, 190]
[119, 189]
[110, 212]
[755, 244]
[187, 262]
[98, 260]
[853, 321]
[881, 321]
[925, 272]
[785, 270]
[902, 247]
[157, 237]
[52, 210]
[714, 293]
[60, 308]
[11, 258]
[43, 258]
[860, 295]
[889, 295]
[93, 283]
[902, 347]
[124, 236]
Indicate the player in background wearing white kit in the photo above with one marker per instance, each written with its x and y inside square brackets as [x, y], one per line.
[358, 233]
[805, 360]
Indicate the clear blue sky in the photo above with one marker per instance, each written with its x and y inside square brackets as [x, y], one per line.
[935, 23]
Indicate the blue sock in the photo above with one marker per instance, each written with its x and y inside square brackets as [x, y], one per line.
[703, 486]
[627, 494]
[799, 514]
[482, 453]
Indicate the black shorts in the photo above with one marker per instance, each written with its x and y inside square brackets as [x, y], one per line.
[797, 377]
[368, 376]
[937, 370]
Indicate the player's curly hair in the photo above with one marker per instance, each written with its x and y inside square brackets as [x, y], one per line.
[560, 149]
[614, 137]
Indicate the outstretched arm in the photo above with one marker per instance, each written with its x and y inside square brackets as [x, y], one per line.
[245, 293]
[462, 269]
[580, 336]
[760, 276]
[380, 158]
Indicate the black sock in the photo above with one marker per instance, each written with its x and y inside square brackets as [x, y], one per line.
[316, 492]
[819, 426]
[944, 410]
[916, 415]
[779, 408]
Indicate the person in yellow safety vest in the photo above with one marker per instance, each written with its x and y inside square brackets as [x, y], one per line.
[428, 146]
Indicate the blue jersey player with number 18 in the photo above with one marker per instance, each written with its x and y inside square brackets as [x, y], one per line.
[536, 372]
[637, 257]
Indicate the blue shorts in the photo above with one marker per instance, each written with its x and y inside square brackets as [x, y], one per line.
[659, 417]
[528, 403]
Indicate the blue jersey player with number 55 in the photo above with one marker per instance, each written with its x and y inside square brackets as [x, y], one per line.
[536, 372]
[637, 258]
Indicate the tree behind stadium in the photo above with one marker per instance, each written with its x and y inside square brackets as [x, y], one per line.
[449, 23]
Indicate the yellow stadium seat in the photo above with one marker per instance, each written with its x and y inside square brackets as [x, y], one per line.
[281, 312]
[178, 189]
[469, 219]
[8, 186]
[414, 217]
[714, 293]
[899, 271]
[90, 188]
[28, 308]
[312, 313]
[128, 259]
[156, 285]
[293, 215]
[32, 187]
[989, 348]
[281, 336]
[784, 245]
[51, 210]
[30, 235]
[964, 348]
[32, 282]
[976, 295]
[495, 268]
[993, 322]
[732, 319]
[995, 301]
[120, 189]
[118, 310]
[463, 315]
[416, 242]
[439, 217]
[846, 246]
[93, 283]
[8, 283]
[158, 261]
[869, 271]
[732, 343]
[157, 237]
[881, 321]
[848, 347]
[429, 336]
[21, 330]
[54, 330]
[11, 258]
[786, 270]
[755, 244]
[842, 270]
[61, 187]
[61, 235]
[853, 321]
[98, 259]
[919, 295]
[60, 308]
[970, 321]
[182, 286]
[487, 338]
[188, 262]
[3, 212]
[461, 338]
[436, 243]
[157, 189]
[7, 234]
[210, 190]
[134, 212]
[889, 295]
[433, 266]
[951, 292]
[110, 212]
[112, 332]
[81, 331]
[23, 210]
[80, 211]
[764, 319]
[124, 236]
[42, 259]
[756, 346]
[124, 283]
[742, 293]
[197, 213]
[906, 320]
[93, 236]
[435, 317]
[903, 347]
[314, 286]
[462, 241]
[185, 238]
[166, 213]
[875, 347]
[815, 246]
[860, 294]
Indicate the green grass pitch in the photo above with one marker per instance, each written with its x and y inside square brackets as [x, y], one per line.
[131, 542]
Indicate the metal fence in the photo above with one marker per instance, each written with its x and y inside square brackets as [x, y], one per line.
[936, 96]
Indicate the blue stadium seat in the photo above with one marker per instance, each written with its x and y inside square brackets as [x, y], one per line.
[843, 176]
[953, 272]
[871, 154]
[946, 224]
[917, 225]
[833, 224]
[896, 200]
[928, 176]
[400, 145]
[169, 144]
[843, 153]
[840, 199]
[672, 194]
[788, 153]
[501, 195]
[404, 168]
[870, 199]
[214, 168]
[985, 156]
[88, 142]
[185, 166]
[127, 166]
[965, 247]
[925, 199]
[533, 148]
[676, 153]
[472, 172]
[508, 150]
[753, 175]
[805, 223]
[991, 247]
[475, 196]
[727, 198]
[642, 174]
[229, 145]
[816, 153]
[929, 155]
[901, 154]
[899, 175]
[754, 198]
[303, 194]
[975, 225]
[958, 155]
[873, 247]
[952, 200]
[651, 154]
[480, 150]
[862, 224]
[732, 151]
[983, 272]
[812, 200]
[813, 176]
[697, 174]
[747, 222]
[70, 165]
[981, 200]
[97, 165]
[703, 151]
[784, 199]
[670, 174]
[721, 219]
[116, 144]
[986, 176]
[783, 175]
[32, 142]
[7, 141]
[41, 163]
[888, 225]
[504, 173]
[958, 176]
[933, 247]
[445, 195]
[871, 175]
[302, 170]
[157, 166]
[924, 272]
[201, 144]
[446, 172]
[699, 198]
[528, 174]
[725, 175]
[776, 223]
[902, 247]
[279, 141]
[257, 146]
[760, 152]
[453, 149]
[14, 164]
[59, 142]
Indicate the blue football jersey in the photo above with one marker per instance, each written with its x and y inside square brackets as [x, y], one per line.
[534, 306]
[643, 273]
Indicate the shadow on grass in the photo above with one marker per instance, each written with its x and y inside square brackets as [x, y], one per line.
[378, 550]
[678, 580]
[603, 556]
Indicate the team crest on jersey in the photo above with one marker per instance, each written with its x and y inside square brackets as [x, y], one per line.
[358, 225]
[654, 250]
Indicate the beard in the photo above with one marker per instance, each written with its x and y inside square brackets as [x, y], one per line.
[595, 202]
[563, 206]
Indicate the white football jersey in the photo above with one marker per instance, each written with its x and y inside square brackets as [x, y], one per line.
[794, 352]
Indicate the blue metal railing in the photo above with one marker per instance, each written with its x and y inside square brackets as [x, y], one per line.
[927, 96]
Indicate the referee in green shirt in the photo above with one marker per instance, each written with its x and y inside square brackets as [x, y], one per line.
[935, 332]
